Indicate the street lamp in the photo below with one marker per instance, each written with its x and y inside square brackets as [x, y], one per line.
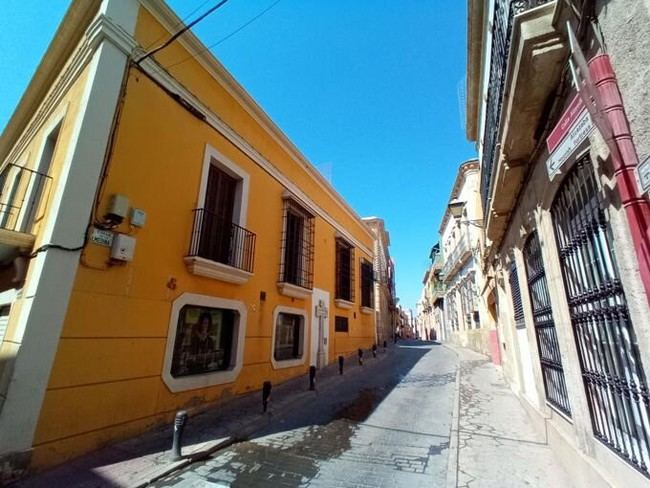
[457, 210]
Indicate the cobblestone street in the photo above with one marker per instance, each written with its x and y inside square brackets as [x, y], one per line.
[393, 431]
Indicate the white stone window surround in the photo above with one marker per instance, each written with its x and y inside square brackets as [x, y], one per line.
[289, 363]
[193, 382]
[205, 267]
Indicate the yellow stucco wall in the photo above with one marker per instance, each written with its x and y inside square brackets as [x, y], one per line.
[106, 380]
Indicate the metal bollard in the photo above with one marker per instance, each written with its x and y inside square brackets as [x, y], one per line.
[340, 364]
[374, 350]
[179, 425]
[312, 377]
[360, 357]
[266, 394]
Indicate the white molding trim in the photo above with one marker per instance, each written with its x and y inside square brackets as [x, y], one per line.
[289, 363]
[346, 304]
[192, 382]
[294, 291]
[218, 271]
[213, 157]
[170, 21]
[367, 310]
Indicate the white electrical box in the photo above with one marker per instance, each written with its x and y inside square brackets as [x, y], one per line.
[138, 217]
[123, 247]
[118, 207]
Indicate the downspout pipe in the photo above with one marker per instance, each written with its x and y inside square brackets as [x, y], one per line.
[637, 207]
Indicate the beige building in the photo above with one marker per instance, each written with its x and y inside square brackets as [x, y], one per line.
[566, 244]
[466, 322]
[430, 306]
[384, 281]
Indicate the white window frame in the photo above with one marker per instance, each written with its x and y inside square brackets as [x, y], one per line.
[212, 378]
[290, 363]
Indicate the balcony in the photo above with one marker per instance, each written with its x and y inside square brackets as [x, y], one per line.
[437, 290]
[22, 192]
[220, 249]
[456, 259]
[526, 62]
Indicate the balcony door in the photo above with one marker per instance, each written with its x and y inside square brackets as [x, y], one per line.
[217, 220]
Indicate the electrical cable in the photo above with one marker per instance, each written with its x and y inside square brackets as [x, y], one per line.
[225, 38]
[178, 24]
[182, 31]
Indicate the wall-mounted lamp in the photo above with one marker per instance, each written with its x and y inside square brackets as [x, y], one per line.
[457, 211]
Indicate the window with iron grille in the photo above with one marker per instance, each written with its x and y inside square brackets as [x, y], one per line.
[547, 344]
[344, 270]
[452, 313]
[613, 376]
[367, 282]
[515, 292]
[340, 324]
[297, 261]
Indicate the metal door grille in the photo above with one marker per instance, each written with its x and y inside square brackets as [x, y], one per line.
[515, 292]
[547, 344]
[612, 372]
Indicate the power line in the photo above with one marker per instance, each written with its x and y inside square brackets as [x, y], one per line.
[225, 38]
[179, 23]
[181, 32]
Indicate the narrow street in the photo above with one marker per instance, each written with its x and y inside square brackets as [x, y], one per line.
[393, 429]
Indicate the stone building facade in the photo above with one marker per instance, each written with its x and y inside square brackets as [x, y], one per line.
[566, 237]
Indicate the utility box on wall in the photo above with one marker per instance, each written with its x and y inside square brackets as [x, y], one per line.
[123, 247]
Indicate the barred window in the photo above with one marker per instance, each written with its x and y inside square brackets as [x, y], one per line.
[367, 281]
[296, 266]
[204, 340]
[344, 270]
[515, 292]
[341, 324]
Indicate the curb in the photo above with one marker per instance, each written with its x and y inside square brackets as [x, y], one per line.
[454, 433]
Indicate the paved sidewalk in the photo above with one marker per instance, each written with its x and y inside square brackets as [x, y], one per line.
[497, 444]
[141, 460]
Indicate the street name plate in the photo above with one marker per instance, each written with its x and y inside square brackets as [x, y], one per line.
[643, 174]
[101, 237]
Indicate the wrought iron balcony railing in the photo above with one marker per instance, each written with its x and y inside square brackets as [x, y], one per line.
[218, 240]
[504, 14]
[456, 258]
[21, 192]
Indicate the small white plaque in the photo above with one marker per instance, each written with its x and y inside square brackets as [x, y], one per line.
[102, 237]
[643, 174]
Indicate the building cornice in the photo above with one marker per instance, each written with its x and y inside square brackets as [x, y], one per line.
[170, 21]
[469, 166]
[475, 15]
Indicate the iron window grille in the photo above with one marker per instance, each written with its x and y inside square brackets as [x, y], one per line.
[341, 324]
[515, 293]
[367, 282]
[21, 192]
[297, 263]
[344, 271]
[547, 343]
[613, 376]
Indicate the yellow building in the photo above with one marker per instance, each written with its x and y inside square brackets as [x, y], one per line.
[170, 246]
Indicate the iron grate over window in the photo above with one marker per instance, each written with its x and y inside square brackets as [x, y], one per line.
[515, 291]
[367, 282]
[614, 381]
[344, 270]
[547, 344]
[297, 264]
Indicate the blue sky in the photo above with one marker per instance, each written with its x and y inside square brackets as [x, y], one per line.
[368, 90]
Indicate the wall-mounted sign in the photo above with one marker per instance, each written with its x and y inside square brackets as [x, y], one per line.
[573, 128]
[643, 174]
[101, 237]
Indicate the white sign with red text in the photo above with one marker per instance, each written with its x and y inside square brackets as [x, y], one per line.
[574, 127]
